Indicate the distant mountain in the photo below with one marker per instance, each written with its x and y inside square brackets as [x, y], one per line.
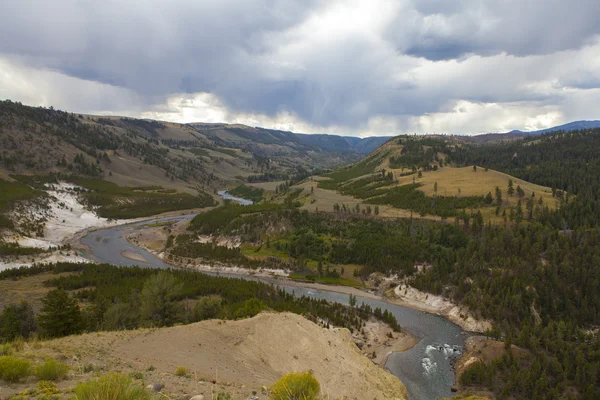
[571, 126]
[518, 134]
[344, 144]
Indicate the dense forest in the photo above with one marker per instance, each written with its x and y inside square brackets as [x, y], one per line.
[106, 297]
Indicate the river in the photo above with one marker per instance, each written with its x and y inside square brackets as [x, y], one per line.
[424, 369]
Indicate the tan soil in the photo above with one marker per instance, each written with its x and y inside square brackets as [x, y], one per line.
[133, 256]
[240, 356]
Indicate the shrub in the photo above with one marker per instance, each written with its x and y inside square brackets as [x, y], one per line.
[137, 375]
[296, 386]
[181, 371]
[46, 389]
[110, 387]
[51, 370]
[223, 396]
[13, 369]
[89, 368]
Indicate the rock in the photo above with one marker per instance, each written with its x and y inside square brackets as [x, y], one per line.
[155, 387]
[197, 397]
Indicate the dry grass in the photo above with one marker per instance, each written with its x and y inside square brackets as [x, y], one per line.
[240, 356]
[478, 183]
[269, 186]
[325, 199]
[29, 288]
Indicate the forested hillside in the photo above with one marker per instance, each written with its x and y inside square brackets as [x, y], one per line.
[534, 271]
[140, 152]
[568, 162]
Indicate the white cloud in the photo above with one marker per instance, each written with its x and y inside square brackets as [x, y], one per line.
[360, 67]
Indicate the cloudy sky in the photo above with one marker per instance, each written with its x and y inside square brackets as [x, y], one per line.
[363, 68]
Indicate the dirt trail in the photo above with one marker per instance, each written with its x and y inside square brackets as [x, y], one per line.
[242, 356]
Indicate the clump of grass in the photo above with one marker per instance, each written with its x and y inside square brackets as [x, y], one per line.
[51, 370]
[181, 371]
[111, 387]
[45, 389]
[6, 349]
[13, 369]
[89, 368]
[137, 375]
[296, 386]
[150, 368]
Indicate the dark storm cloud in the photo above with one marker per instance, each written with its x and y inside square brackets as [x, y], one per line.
[320, 60]
[451, 29]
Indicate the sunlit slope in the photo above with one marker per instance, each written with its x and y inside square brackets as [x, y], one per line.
[413, 174]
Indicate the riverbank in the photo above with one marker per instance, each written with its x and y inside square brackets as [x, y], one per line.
[153, 241]
[408, 296]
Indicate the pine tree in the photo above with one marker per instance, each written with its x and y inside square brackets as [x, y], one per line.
[159, 295]
[60, 315]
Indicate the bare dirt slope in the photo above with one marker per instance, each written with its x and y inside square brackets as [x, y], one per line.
[242, 356]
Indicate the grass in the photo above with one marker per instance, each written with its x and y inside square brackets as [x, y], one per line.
[14, 369]
[181, 371]
[261, 252]
[15, 191]
[229, 152]
[199, 152]
[297, 386]
[51, 370]
[111, 387]
[478, 183]
[364, 167]
[118, 202]
[14, 249]
[247, 192]
[325, 280]
[6, 349]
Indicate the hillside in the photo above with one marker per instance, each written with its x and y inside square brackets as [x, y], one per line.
[140, 152]
[416, 174]
[234, 357]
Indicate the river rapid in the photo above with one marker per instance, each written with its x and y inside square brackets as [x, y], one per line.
[424, 369]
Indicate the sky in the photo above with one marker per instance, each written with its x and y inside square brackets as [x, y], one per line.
[352, 67]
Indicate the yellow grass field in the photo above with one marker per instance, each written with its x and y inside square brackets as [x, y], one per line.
[478, 183]
[323, 200]
[449, 181]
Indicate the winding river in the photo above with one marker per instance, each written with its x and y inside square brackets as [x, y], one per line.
[424, 369]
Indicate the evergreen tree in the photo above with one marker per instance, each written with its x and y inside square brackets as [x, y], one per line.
[159, 297]
[17, 321]
[60, 315]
